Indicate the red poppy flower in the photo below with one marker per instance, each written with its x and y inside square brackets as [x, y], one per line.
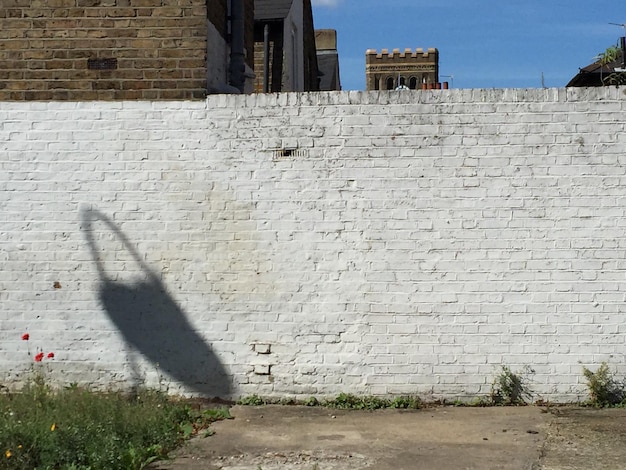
[25, 337]
[50, 355]
[39, 357]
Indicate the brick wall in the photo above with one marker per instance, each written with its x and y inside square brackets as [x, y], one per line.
[311, 244]
[103, 49]
[275, 62]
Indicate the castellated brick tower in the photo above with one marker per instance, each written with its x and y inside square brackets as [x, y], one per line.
[413, 70]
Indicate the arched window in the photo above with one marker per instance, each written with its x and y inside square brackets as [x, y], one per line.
[390, 84]
[402, 81]
[413, 83]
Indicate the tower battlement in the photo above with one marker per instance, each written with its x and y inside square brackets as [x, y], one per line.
[430, 53]
[410, 68]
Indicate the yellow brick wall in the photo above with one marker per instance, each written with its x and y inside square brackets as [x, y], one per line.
[158, 47]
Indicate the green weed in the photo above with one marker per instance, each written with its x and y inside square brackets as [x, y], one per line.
[475, 402]
[410, 402]
[252, 400]
[604, 389]
[354, 402]
[345, 401]
[216, 414]
[311, 401]
[511, 388]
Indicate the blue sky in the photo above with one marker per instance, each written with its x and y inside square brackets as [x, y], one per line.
[482, 43]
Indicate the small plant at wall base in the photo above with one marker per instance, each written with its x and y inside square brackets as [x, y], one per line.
[346, 401]
[352, 402]
[604, 389]
[511, 388]
[252, 400]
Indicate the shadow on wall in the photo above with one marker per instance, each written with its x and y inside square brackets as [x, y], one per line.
[151, 322]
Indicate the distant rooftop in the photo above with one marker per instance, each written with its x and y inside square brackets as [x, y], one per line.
[271, 9]
[594, 74]
[326, 39]
[327, 59]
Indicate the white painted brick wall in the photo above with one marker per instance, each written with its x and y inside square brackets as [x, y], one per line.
[414, 242]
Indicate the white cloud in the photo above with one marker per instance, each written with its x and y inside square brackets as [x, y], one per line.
[325, 3]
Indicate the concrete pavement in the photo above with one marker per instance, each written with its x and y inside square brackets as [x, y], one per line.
[276, 437]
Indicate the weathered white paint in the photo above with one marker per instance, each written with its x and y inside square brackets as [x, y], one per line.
[413, 242]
